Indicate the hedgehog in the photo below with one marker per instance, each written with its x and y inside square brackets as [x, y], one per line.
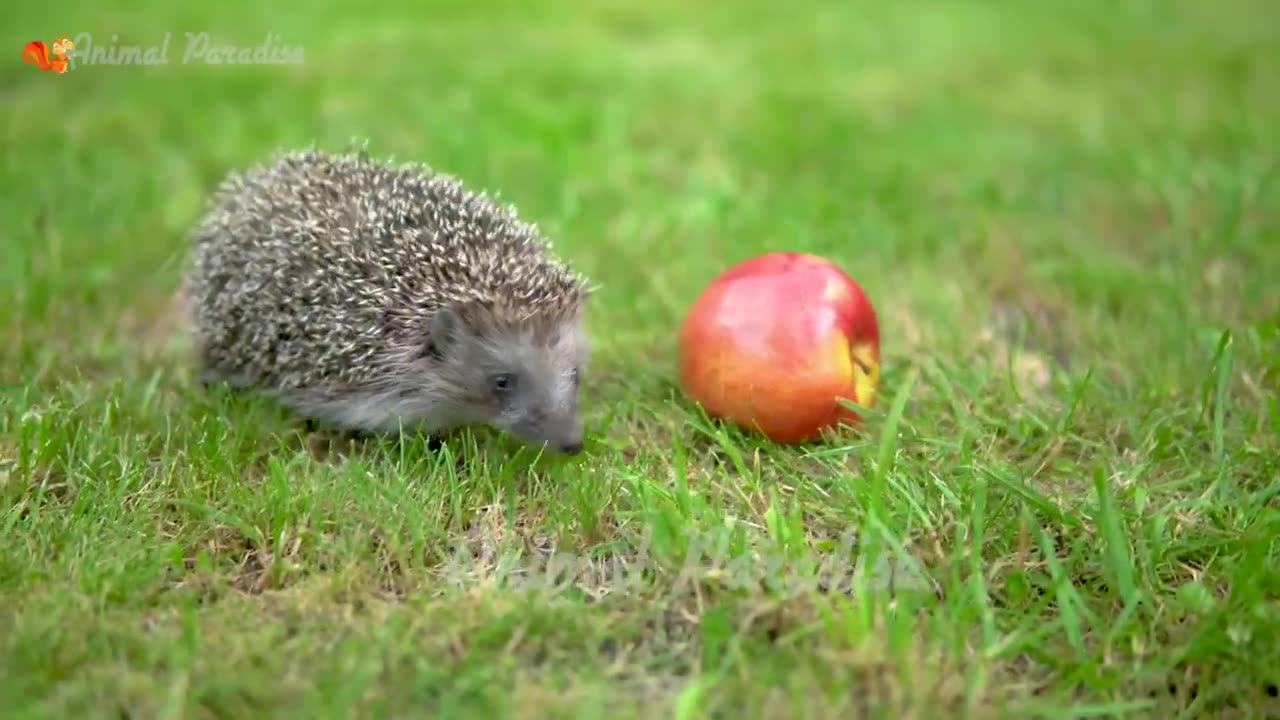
[377, 297]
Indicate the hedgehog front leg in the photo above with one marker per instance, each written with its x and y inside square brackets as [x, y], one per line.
[367, 412]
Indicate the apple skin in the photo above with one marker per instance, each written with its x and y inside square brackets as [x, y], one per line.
[772, 342]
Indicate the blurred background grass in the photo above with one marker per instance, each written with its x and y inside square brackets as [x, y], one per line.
[942, 150]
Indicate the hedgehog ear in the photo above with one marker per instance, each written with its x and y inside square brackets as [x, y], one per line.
[442, 335]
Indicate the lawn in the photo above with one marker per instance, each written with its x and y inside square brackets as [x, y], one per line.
[1065, 504]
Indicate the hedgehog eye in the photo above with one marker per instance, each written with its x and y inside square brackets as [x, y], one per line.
[503, 383]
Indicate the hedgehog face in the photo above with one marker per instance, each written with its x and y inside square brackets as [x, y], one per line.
[521, 376]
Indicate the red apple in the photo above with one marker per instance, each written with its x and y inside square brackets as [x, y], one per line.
[772, 342]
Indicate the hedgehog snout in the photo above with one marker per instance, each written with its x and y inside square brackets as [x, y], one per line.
[557, 432]
[568, 436]
[571, 444]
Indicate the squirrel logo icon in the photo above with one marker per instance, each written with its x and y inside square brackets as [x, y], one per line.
[35, 53]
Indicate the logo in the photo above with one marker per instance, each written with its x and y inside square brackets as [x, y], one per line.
[63, 55]
[53, 57]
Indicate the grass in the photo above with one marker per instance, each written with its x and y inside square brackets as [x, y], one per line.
[1066, 504]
